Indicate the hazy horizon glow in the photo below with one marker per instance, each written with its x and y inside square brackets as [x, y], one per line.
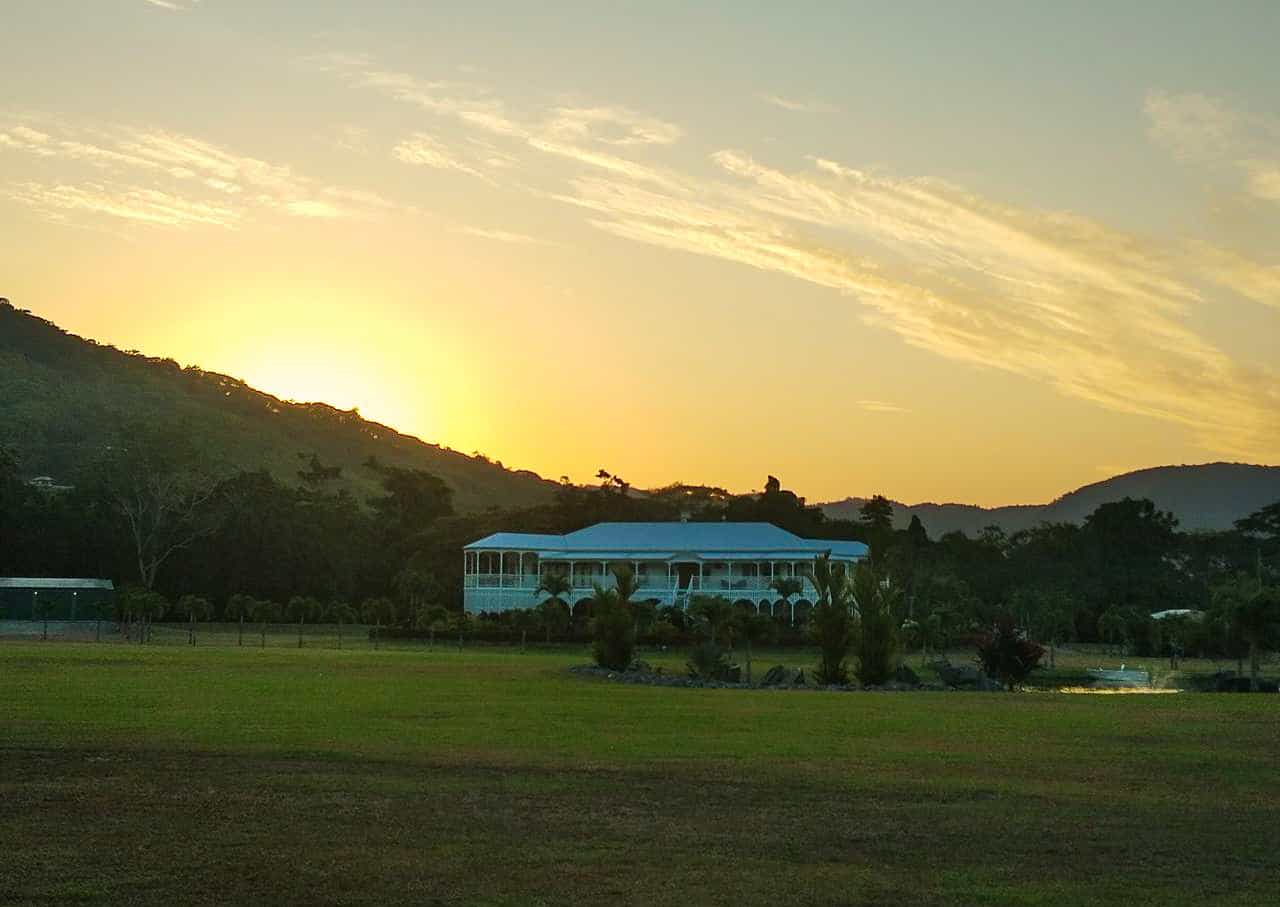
[950, 254]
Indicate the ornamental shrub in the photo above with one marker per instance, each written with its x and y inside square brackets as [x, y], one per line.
[1006, 653]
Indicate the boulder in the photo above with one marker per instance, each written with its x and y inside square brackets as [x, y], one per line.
[958, 675]
[777, 676]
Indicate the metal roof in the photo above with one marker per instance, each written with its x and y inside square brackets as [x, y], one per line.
[663, 541]
[517, 541]
[50, 582]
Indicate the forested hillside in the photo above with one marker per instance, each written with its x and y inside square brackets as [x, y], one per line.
[65, 399]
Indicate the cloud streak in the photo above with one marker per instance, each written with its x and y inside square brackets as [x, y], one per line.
[1098, 314]
[880, 406]
[422, 150]
[158, 177]
[506, 236]
[798, 106]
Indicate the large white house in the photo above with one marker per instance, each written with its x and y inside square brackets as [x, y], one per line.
[671, 563]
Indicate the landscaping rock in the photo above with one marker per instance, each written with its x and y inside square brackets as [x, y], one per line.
[777, 676]
[958, 675]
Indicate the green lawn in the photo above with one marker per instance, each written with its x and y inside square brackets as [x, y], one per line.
[166, 774]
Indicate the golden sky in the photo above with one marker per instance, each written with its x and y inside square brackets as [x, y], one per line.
[940, 253]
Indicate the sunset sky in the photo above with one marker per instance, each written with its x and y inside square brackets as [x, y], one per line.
[938, 251]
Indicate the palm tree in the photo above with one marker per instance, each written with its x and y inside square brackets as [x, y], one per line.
[196, 607]
[301, 608]
[832, 622]
[339, 613]
[714, 612]
[239, 607]
[613, 624]
[264, 612]
[554, 586]
[555, 617]
[786, 587]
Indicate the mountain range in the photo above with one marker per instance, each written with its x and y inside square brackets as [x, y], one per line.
[63, 396]
[1203, 497]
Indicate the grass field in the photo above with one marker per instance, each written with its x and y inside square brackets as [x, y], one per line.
[167, 774]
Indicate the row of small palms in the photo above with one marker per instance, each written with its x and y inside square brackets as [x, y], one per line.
[715, 621]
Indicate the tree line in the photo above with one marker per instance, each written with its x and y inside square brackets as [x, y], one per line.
[152, 512]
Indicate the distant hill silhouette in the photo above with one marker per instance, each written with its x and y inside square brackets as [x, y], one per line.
[1209, 496]
[61, 397]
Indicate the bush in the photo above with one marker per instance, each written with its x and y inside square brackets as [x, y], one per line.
[664, 633]
[614, 636]
[708, 661]
[1006, 653]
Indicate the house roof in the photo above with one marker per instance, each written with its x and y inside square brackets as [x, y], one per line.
[52, 582]
[664, 541]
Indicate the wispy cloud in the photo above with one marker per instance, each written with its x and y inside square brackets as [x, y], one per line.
[579, 134]
[422, 150]
[1202, 129]
[174, 5]
[160, 177]
[797, 106]
[610, 125]
[467, 103]
[142, 205]
[880, 406]
[1099, 314]
[506, 236]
